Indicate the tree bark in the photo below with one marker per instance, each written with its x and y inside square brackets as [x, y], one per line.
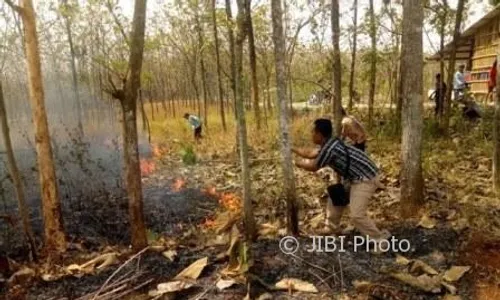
[281, 82]
[241, 33]
[445, 122]
[230, 34]
[337, 68]
[353, 55]
[55, 239]
[217, 59]
[253, 63]
[442, 33]
[16, 177]
[412, 74]
[373, 64]
[496, 135]
[129, 109]
[199, 31]
[67, 23]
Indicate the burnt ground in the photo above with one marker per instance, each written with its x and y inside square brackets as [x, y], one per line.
[102, 221]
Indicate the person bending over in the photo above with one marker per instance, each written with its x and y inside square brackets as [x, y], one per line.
[357, 169]
[353, 130]
[195, 123]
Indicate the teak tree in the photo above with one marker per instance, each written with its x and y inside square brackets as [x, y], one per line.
[217, 61]
[412, 74]
[284, 116]
[16, 177]
[55, 239]
[337, 67]
[353, 55]
[373, 63]
[253, 62]
[127, 95]
[496, 133]
[249, 220]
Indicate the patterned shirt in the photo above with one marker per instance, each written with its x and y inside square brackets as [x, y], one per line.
[333, 154]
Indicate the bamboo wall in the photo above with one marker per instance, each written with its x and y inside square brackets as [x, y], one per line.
[486, 43]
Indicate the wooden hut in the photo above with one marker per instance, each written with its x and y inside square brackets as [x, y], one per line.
[477, 47]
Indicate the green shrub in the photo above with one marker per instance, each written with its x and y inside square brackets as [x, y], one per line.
[188, 155]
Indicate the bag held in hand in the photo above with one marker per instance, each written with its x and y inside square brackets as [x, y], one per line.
[338, 192]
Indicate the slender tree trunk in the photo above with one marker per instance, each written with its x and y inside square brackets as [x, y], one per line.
[74, 73]
[199, 31]
[445, 124]
[253, 63]
[337, 68]
[442, 34]
[281, 82]
[55, 239]
[412, 74]
[217, 59]
[230, 31]
[129, 108]
[16, 177]
[373, 64]
[353, 56]
[496, 134]
[241, 33]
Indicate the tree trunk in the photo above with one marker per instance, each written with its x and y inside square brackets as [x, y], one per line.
[337, 68]
[230, 31]
[16, 177]
[353, 56]
[253, 63]
[496, 135]
[199, 31]
[442, 34]
[373, 64]
[249, 219]
[55, 239]
[412, 74]
[217, 59]
[281, 82]
[74, 73]
[129, 108]
[445, 122]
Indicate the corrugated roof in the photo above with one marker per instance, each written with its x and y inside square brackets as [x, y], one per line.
[465, 41]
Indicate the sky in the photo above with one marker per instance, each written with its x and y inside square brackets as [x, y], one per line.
[478, 9]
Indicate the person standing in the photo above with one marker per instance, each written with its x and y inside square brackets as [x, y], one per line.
[355, 168]
[353, 130]
[459, 83]
[439, 94]
[195, 123]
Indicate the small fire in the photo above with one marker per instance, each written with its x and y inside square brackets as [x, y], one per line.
[178, 185]
[229, 201]
[147, 167]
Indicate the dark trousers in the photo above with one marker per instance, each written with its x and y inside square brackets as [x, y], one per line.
[361, 146]
[197, 132]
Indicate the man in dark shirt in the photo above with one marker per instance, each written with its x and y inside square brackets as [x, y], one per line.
[362, 174]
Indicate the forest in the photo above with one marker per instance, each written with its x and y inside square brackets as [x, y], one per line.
[206, 149]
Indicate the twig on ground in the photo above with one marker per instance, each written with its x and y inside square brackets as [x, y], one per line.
[311, 264]
[200, 295]
[118, 270]
[120, 296]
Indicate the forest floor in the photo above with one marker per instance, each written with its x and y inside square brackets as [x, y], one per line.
[193, 212]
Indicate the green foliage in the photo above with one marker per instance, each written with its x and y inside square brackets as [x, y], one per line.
[188, 155]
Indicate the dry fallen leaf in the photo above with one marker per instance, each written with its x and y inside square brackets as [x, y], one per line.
[51, 277]
[427, 222]
[169, 287]
[361, 285]
[265, 296]
[401, 260]
[297, 285]
[170, 254]
[223, 284]
[22, 276]
[194, 270]
[451, 288]
[420, 267]
[455, 273]
[423, 282]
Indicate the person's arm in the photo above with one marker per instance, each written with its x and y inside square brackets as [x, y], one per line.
[308, 165]
[306, 153]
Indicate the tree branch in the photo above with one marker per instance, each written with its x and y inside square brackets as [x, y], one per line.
[15, 7]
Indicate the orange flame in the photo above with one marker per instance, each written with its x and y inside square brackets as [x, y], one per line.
[229, 201]
[159, 151]
[147, 167]
[178, 185]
